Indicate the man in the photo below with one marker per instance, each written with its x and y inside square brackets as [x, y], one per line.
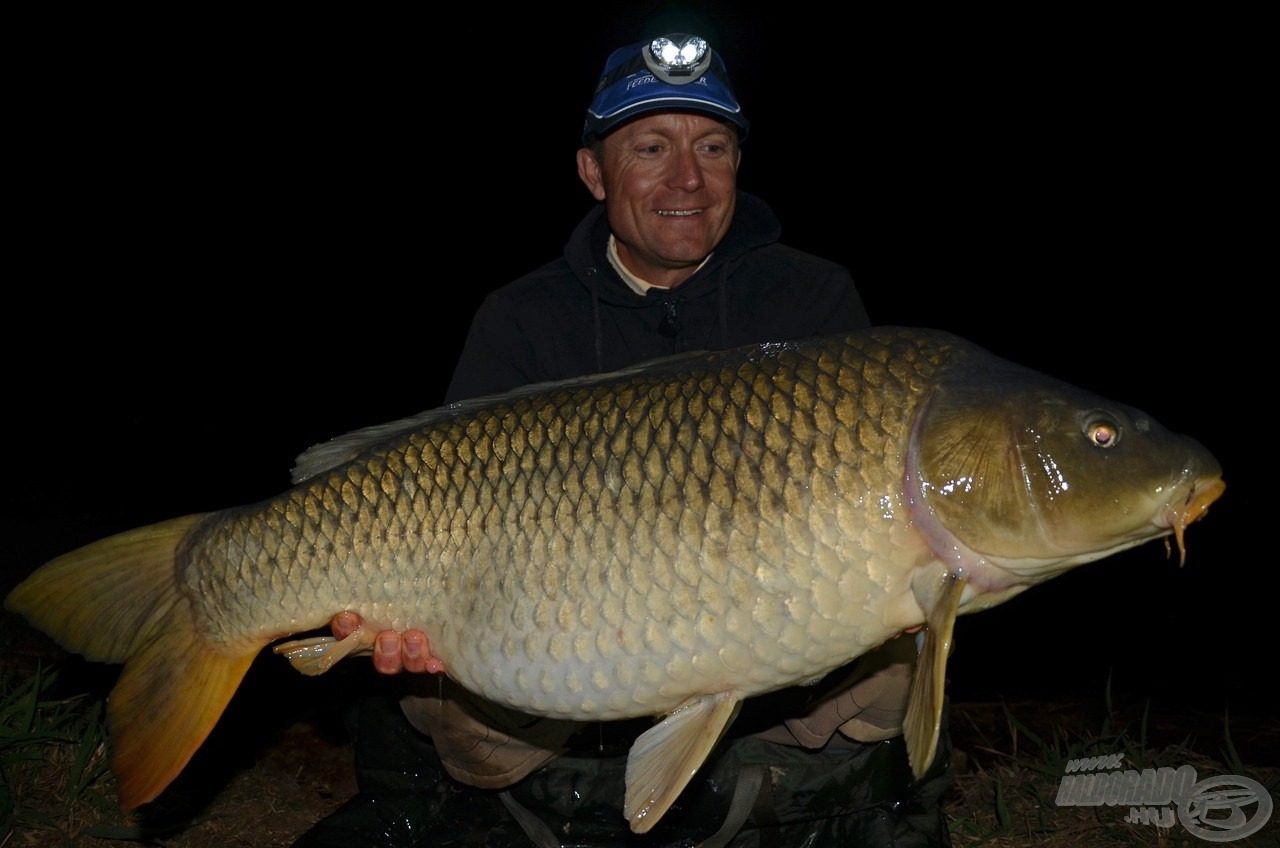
[673, 258]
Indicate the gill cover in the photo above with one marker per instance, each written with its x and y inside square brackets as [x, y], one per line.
[1029, 471]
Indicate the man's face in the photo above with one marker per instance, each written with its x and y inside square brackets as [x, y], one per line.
[668, 182]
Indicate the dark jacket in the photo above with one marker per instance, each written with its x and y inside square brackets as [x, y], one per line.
[576, 316]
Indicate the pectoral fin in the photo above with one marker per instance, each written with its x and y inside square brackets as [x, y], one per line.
[665, 758]
[923, 722]
[318, 654]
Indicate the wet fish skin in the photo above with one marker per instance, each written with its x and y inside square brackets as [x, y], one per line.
[667, 541]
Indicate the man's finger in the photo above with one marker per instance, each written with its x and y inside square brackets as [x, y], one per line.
[344, 624]
[387, 657]
[415, 649]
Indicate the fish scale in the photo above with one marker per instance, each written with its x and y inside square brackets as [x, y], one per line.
[663, 541]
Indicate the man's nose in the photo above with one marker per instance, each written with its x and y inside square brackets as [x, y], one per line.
[686, 170]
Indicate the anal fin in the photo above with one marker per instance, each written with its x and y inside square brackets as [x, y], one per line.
[665, 757]
[318, 654]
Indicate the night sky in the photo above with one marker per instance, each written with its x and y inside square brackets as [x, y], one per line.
[243, 237]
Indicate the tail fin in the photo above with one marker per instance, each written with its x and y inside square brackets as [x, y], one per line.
[118, 601]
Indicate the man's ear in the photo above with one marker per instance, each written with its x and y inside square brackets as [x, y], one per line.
[589, 173]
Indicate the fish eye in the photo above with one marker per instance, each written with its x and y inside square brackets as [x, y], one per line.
[1103, 432]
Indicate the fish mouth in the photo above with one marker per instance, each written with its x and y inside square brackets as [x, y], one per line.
[1191, 510]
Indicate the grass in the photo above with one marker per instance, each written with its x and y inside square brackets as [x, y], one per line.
[56, 789]
[53, 759]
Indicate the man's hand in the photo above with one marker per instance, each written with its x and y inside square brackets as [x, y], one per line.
[393, 652]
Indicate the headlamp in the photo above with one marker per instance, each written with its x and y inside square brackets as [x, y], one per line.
[677, 59]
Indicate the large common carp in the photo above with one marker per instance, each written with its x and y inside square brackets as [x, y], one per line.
[662, 541]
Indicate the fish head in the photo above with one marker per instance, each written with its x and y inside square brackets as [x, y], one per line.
[1024, 476]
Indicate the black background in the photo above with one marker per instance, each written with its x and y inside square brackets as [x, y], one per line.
[234, 237]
